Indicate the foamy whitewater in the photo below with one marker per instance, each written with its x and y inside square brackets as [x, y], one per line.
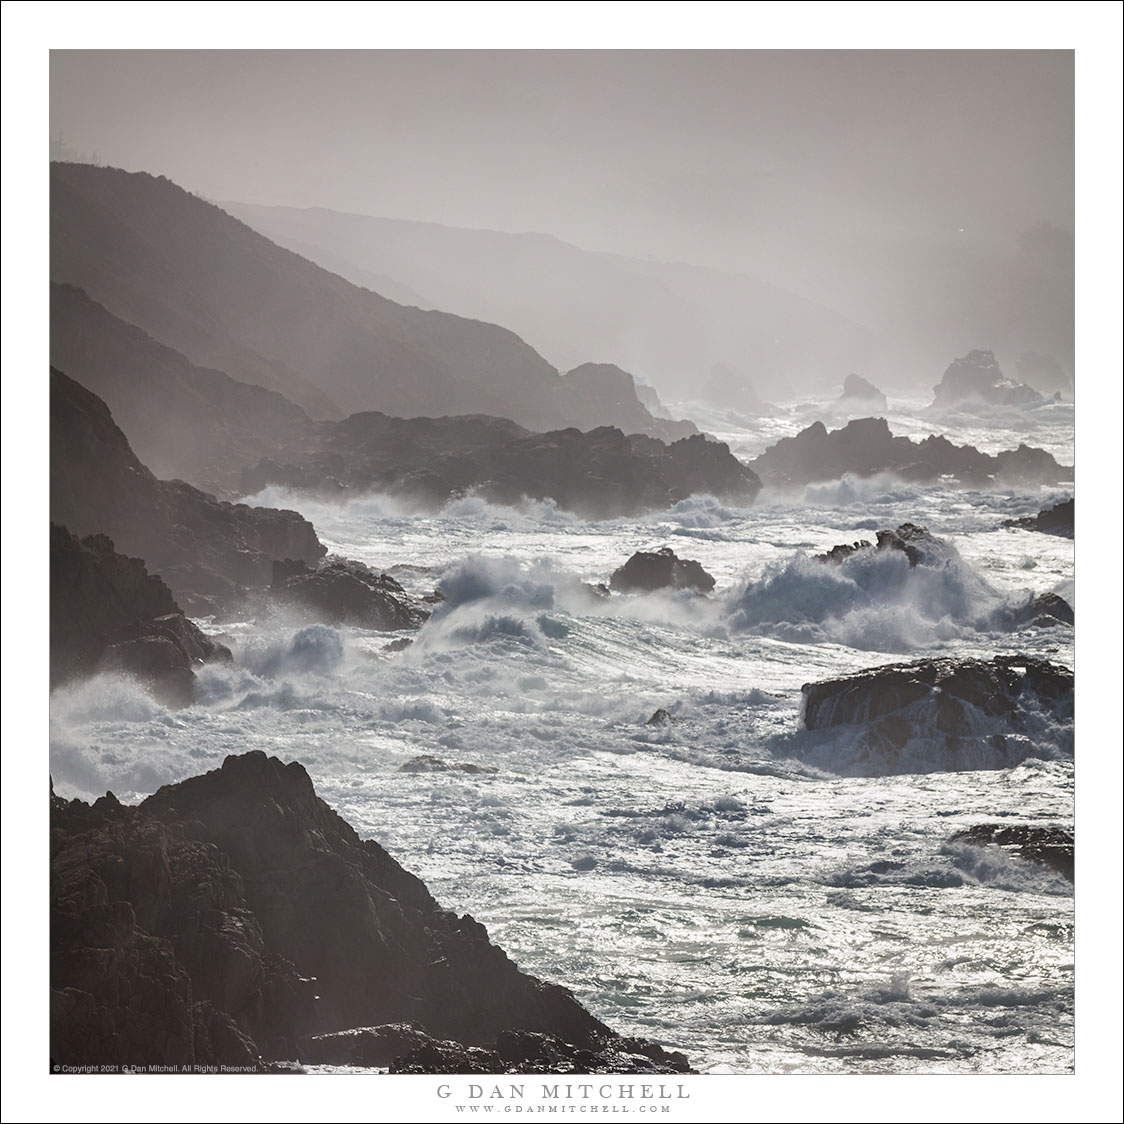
[721, 883]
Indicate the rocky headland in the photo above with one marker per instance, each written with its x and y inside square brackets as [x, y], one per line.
[234, 918]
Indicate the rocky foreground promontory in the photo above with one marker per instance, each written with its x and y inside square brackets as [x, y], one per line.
[235, 919]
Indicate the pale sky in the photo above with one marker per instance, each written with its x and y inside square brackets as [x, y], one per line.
[743, 159]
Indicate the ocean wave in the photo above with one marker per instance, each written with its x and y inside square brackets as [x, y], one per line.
[874, 600]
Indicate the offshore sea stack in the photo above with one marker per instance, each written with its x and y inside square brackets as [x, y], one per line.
[859, 393]
[230, 917]
[977, 377]
[865, 447]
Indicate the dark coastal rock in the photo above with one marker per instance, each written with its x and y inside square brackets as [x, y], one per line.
[109, 613]
[208, 552]
[858, 392]
[865, 447]
[957, 713]
[978, 377]
[994, 687]
[364, 1045]
[661, 717]
[521, 1051]
[1042, 611]
[1047, 846]
[660, 569]
[1056, 520]
[340, 590]
[600, 473]
[234, 914]
[913, 541]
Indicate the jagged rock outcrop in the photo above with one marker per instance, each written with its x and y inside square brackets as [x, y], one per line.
[340, 590]
[857, 392]
[866, 446]
[977, 377]
[598, 474]
[940, 714]
[108, 612]
[234, 914]
[208, 552]
[913, 541]
[183, 422]
[1056, 520]
[1048, 846]
[1042, 611]
[649, 570]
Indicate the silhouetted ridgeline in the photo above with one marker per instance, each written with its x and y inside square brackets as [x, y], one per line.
[668, 321]
[230, 916]
[220, 294]
[207, 551]
[182, 421]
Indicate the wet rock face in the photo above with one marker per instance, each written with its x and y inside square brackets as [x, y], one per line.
[109, 613]
[201, 924]
[600, 473]
[1056, 520]
[208, 552]
[977, 376]
[661, 569]
[949, 691]
[1048, 846]
[1043, 611]
[528, 1052]
[913, 541]
[340, 590]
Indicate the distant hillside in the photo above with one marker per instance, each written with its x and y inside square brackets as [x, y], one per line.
[226, 298]
[182, 421]
[667, 323]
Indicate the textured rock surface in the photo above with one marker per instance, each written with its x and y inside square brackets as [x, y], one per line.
[339, 590]
[992, 687]
[913, 541]
[600, 473]
[660, 569]
[1049, 846]
[1056, 520]
[202, 923]
[941, 714]
[866, 446]
[108, 612]
[207, 551]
